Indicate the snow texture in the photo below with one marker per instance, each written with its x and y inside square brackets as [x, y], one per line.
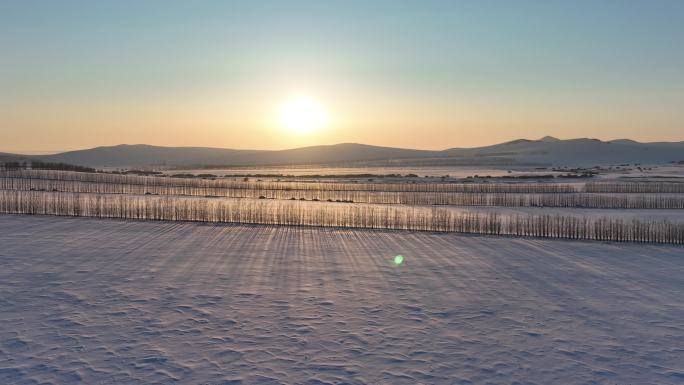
[122, 302]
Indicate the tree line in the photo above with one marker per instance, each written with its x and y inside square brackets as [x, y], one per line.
[279, 212]
[270, 184]
[39, 165]
[581, 200]
[635, 187]
[85, 175]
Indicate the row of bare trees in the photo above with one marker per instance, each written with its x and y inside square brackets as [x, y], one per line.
[635, 187]
[270, 184]
[583, 200]
[278, 212]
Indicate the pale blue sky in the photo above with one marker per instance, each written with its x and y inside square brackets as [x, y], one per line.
[427, 74]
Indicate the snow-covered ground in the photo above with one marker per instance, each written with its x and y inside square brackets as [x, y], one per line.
[655, 215]
[122, 302]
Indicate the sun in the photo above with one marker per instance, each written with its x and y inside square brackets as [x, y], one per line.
[302, 115]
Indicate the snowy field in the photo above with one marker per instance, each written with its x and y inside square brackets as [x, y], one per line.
[655, 215]
[673, 171]
[122, 302]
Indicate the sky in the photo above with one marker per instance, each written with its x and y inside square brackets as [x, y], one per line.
[418, 74]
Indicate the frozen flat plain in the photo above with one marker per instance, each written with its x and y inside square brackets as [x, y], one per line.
[122, 302]
[655, 215]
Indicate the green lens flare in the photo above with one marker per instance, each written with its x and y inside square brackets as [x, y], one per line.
[398, 260]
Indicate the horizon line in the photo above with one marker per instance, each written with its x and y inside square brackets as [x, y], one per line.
[56, 152]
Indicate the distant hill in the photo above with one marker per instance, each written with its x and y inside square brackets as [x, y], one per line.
[549, 139]
[545, 151]
[138, 155]
[4, 157]
[579, 152]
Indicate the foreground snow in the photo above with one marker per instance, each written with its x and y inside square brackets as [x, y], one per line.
[110, 302]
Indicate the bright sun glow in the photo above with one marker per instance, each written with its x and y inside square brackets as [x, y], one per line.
[302, 115]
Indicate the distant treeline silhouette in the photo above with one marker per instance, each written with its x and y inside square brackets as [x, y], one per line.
[284, 212]
[38, 165]
[581, 200]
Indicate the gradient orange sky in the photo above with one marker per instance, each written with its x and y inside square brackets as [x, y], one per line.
[429, 74]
